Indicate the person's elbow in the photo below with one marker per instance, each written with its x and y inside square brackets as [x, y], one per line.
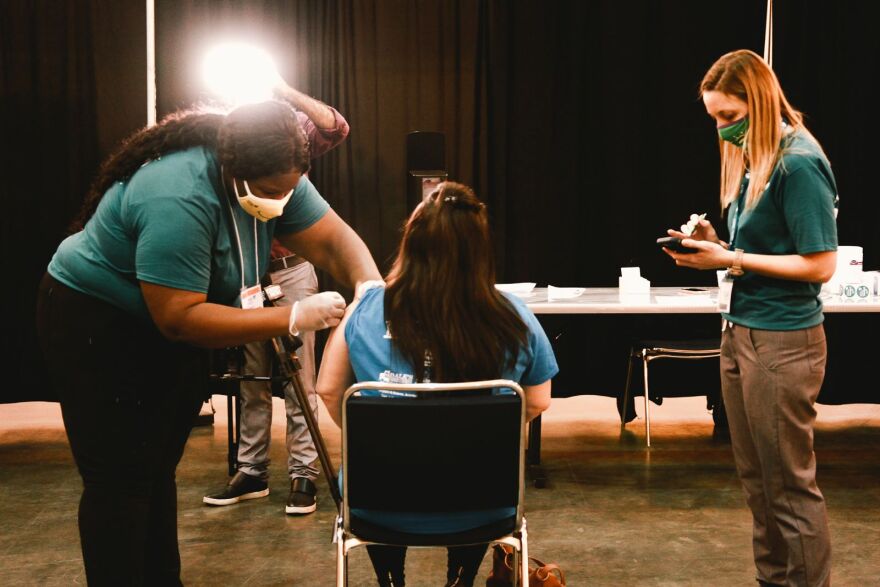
[182, 331]
[331, 394]
[176, 314]
[343, 130]
[823, 266]
[537, 399]
[175, 330]
[539, 406]
[325, 392]
[824, 276]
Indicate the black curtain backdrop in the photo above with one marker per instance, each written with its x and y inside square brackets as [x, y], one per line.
[389, 67]
[577, 122]
[72, 84]
[826, 56]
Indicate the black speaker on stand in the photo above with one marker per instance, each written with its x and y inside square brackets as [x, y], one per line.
[425, 164]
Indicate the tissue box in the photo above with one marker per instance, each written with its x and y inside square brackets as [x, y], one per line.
[847, 272]
[633, 285]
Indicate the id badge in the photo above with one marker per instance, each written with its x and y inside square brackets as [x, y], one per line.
[725, 293]
[251, 297]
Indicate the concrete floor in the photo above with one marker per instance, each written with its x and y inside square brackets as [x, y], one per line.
[613, 514]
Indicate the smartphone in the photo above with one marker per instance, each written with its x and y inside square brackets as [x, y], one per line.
[673, 243]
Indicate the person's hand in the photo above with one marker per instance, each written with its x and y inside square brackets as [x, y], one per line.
[317, 312]
[703, 231]
[709, 255]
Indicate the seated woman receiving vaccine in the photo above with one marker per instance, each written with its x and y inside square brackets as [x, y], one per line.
[439, 319]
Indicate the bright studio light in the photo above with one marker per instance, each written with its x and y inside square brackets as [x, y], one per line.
[240, 73]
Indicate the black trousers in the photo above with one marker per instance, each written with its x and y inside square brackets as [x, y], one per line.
[462, 563]
[128, 399]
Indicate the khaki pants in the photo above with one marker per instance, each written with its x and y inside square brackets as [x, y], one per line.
[296, 282]
[770, 381]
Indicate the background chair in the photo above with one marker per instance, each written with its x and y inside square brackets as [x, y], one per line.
[650, 350]
[432, 448]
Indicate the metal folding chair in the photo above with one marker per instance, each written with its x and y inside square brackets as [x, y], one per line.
[427, 449]
[650, 350]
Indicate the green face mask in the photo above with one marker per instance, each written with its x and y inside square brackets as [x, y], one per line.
[734, 132]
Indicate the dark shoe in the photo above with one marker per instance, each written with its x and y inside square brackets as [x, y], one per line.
[302, 497]
[242, 486]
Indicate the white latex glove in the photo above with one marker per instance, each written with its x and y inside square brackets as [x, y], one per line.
[316, 312]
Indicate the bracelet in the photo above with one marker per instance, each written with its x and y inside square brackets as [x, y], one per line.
[291, 325]
[736, 269]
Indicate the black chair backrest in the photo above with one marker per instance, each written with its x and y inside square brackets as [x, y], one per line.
[446, 451]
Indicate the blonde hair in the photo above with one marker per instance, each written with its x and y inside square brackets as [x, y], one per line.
[745, 75]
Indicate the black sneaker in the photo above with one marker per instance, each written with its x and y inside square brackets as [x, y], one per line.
[302, 497]
[242, 486]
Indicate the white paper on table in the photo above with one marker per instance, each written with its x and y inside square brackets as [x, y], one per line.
[630, 272]
[688, 300]
[518, 289]
[563, 293]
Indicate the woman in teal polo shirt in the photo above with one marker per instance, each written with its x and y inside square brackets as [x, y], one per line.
[779, 195]
[177, 231]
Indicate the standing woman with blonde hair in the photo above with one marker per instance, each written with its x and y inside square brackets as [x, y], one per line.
[779, 195]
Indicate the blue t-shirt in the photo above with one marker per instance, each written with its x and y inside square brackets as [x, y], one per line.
[373, 357]
[169, 225]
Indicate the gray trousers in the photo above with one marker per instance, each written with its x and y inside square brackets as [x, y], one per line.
[770, 381]
[296, 282]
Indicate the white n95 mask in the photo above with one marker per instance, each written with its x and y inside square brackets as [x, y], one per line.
[263, 209]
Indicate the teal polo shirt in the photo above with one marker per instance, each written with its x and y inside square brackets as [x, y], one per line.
[794, 216]
[168, 224]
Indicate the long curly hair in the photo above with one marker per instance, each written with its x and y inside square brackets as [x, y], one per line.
[251, 141]
[440, 297]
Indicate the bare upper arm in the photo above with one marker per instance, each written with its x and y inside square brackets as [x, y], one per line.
[336, 375]
[169, 306]
[315, 242]
[334, 246]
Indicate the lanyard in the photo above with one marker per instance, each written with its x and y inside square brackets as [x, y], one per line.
[238, 241]
[739, 207]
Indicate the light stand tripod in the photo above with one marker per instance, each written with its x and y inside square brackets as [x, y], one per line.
[285, 348]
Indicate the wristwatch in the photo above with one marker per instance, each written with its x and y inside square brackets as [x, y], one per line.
[736, 269]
